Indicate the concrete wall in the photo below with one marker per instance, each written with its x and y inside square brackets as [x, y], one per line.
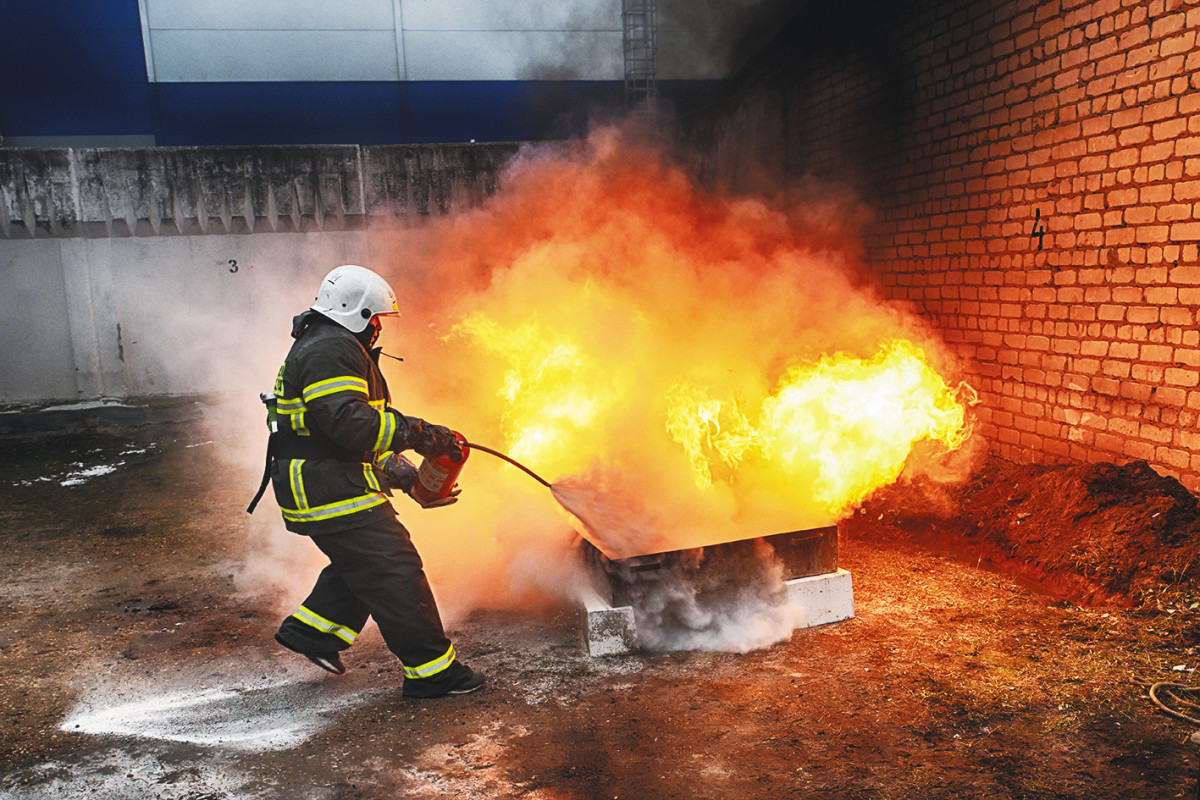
[134, 274]
[1034, 173]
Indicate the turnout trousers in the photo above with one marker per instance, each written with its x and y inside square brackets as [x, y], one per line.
[374, 572]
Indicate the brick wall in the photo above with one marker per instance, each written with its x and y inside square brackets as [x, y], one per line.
[1034, 173]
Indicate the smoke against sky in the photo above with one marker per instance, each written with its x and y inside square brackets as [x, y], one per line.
[711, 39]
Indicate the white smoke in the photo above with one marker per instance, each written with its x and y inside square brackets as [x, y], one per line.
[752, 609]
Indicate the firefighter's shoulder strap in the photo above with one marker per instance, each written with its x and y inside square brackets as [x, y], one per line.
[269, 401]
[282, 444]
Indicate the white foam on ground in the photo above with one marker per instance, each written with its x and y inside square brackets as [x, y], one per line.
[83, 475]
[275, 716]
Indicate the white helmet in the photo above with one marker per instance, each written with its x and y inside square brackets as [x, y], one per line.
[350, 295]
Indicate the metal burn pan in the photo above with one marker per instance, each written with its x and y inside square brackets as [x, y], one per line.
[718, 567]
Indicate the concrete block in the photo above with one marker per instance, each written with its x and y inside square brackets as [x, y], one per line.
[608, 631]
[823, 598]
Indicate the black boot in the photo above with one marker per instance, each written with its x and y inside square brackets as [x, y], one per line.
[330, 661]
[457, 679]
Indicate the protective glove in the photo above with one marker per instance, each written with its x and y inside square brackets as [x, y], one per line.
[449, 500]
[436, 440]
[401, 473]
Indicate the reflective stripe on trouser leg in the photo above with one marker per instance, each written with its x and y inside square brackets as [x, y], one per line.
[315, 620]
[330, 617]
[428, 670]
[383, 570]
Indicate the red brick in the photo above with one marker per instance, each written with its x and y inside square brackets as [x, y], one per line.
[1160, 193]
[1132, 136]
[1124, 158]
[1176, 315]
[1169, 129]
[1160, 110]
[1185, 231]
[1187, 146]
[1143, 315]
[1155, 433]
[1162, 295]
[1147, 373]
[1182, 377]
[1157, 352]
[1171, 397]
[1165, 26]
[1127, 427]
[1152, 153]
[1139, 215]
[1123, 350]
[1116, 369]
[1174, 212]
[1185, 275]
[1139, 450]
[1152, 234]
[1115, 237]
[1178, 459]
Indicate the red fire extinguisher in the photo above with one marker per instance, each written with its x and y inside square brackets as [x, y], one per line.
[437, 476]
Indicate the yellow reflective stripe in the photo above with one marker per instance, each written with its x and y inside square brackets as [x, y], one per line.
[293, 409]
[432, 668]
[279, 381]
[330, 510]
[310, 617]
[369, 474]
[344, 383]
[387, 428]
[296, 478]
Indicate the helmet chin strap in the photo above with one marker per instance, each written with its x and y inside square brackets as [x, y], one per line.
[371, 332]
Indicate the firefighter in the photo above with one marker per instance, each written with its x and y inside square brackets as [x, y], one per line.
[333, 461]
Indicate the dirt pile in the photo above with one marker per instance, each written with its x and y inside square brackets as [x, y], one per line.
[1094, 534]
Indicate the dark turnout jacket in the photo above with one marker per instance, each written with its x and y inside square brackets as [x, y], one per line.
[335, 430]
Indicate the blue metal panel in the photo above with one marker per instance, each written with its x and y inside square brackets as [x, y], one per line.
[74, 67]
[87, 14]
[76, 109]
[378, 113]
[278, 113]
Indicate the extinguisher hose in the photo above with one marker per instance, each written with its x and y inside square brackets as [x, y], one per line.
[510, 460]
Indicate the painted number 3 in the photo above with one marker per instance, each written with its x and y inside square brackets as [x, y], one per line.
[233, 267]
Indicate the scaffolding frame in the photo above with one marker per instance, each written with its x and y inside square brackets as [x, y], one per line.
[640, 26]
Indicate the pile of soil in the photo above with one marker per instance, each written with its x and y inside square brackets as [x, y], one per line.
[1093, 534]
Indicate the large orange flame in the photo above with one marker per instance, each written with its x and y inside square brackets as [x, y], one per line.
[685, 367]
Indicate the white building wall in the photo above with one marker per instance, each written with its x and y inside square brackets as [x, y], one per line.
[381, 40]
